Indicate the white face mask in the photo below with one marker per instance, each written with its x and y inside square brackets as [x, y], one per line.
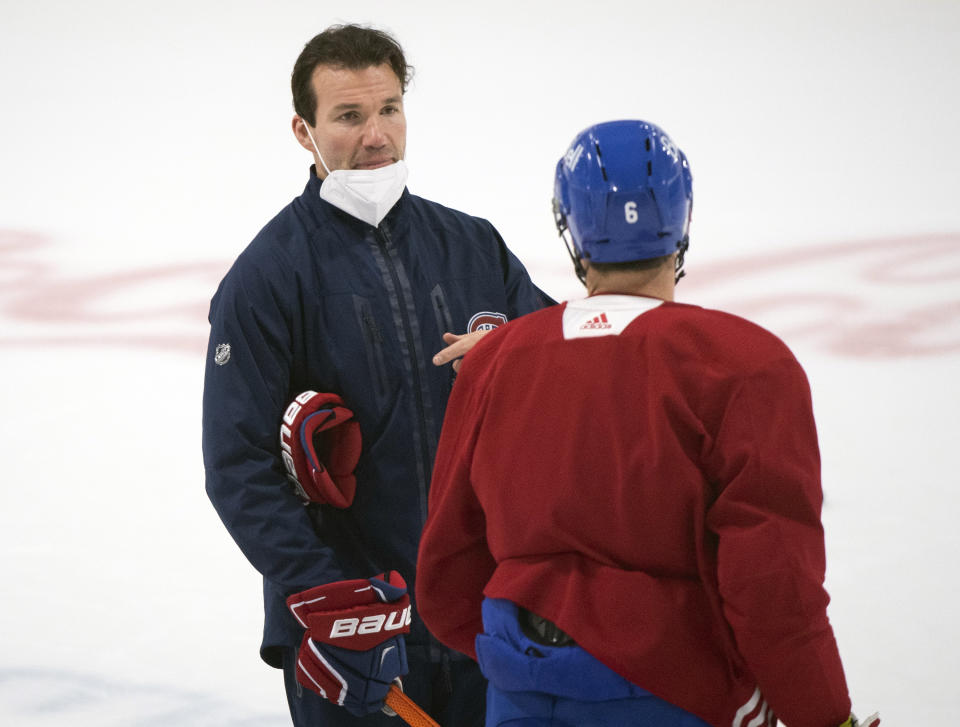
[367, 194]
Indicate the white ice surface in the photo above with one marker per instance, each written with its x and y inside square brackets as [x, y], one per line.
[143, 144]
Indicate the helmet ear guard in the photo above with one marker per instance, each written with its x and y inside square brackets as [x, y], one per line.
[623, 192]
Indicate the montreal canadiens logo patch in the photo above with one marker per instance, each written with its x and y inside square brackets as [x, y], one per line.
[485, 321]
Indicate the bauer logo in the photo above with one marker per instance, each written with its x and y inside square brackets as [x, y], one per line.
[222, 354]
[669, 147]
[572, 156]
[485, 321]
[345, 627]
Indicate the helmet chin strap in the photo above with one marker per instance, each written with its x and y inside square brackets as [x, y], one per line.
[563, 230]
[682, 246]
[578, 266]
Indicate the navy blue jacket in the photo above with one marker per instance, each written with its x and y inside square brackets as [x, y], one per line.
[320, 300]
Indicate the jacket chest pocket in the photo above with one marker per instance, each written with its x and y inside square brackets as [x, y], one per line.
[441, 309]
[444, 316]
[373, 341]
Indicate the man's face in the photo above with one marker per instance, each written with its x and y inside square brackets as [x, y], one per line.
[359, 119]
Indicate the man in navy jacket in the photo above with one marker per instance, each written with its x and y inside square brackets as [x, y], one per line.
[349, 290]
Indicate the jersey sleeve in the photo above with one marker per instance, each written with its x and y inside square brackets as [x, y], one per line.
[454, 563]
[765, 464]
[246, 389]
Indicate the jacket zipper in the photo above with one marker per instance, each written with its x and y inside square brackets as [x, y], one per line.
[383, 240]
[444, 323]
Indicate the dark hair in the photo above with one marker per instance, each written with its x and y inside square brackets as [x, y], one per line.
[647, 264]
[353, 47]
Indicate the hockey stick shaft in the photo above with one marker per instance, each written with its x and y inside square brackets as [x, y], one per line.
[407, 709]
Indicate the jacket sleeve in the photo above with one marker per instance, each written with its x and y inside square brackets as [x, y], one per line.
[454, 563]
[522, 295]
[246, 389]
[770, 545]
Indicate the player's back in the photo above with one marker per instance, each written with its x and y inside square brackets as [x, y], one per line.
[602, 417]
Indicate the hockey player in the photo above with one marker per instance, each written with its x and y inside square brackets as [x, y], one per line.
[349, 291]
[624, 517]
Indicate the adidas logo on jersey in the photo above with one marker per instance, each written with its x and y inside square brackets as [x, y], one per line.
[598, 322]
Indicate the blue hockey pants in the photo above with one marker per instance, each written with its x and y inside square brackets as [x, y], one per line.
[532, 685]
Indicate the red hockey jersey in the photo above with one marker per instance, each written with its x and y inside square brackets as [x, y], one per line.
[645, 474]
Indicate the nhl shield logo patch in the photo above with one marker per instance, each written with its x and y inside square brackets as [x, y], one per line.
[486, 321]
[222, 354]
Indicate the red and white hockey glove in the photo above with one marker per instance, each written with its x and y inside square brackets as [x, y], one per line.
[320, 444]
[353, 649]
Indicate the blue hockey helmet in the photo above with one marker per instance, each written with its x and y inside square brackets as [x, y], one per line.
[623, 192]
